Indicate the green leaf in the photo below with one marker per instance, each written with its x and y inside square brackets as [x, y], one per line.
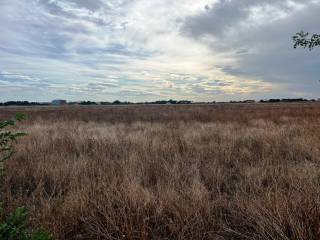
[20, 116]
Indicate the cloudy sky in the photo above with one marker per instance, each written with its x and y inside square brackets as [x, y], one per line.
[143, 50]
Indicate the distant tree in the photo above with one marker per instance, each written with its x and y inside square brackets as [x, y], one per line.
[302, 39]
[172, 101]
[22, 103]
[105, 103]
[88, 103]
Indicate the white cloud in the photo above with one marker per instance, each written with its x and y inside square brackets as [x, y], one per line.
[103, 49]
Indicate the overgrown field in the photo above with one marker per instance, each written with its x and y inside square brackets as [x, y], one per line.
[169, 172]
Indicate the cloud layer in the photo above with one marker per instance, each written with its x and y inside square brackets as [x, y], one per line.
[140, 50]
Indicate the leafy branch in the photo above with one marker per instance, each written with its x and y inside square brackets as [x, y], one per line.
[302, 39]
[14, 226]
[7, 137]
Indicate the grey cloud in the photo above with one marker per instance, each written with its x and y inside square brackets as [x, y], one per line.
[55, 8]
[275, 59]
[265, 52]
[136, 92]
[220, 83]
[79, 47]
[115, 49]
[36, 35]
[19, 80]
[92, 5]
[202, 90]
[226, 15]
[60, 34]
[215, 20]
[242, 51]
[231, 70]
[101, 86]
[13, 77]
[40, 84]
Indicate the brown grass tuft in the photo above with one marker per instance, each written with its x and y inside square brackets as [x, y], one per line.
[170, 172]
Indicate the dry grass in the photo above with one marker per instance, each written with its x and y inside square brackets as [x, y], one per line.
[170, 172]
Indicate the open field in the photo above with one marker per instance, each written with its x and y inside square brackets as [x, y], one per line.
[170, 172]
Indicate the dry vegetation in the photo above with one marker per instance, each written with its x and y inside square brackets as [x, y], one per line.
[170, 172]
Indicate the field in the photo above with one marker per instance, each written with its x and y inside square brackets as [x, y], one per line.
[223, 171]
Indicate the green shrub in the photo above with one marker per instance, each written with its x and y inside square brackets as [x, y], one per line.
[14, 226]
[8, 137]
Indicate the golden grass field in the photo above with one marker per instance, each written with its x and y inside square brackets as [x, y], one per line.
[223, 171]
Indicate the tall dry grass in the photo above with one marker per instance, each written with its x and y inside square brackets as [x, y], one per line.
[170, 172]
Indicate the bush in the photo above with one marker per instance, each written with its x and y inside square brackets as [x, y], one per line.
[7, 137]
[14, 226]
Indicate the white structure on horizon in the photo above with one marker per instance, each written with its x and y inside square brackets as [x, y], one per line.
[58, 102]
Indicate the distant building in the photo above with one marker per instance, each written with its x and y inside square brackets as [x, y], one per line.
[58, 102]
[249, 101]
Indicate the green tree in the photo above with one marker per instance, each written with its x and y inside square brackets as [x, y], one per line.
[303, 39]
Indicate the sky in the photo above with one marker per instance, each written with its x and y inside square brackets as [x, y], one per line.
[146, 50]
